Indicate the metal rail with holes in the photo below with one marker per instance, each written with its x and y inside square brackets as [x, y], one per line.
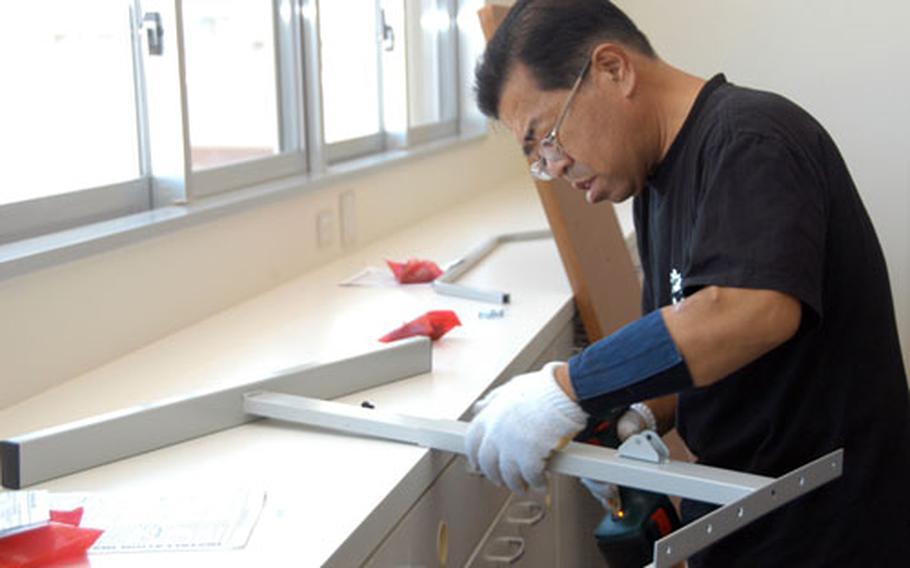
[640, 462]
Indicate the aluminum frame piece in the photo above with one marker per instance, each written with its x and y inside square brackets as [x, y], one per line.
[692, 481]
[60, 450]
[445, 284]
[686, 541]
[745, 497]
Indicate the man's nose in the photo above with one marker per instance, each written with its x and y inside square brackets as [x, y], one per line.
[558, 167]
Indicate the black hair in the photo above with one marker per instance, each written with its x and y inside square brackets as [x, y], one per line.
[552, 38]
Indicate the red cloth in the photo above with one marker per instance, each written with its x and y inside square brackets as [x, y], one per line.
[73, 517]
[414, 271]
[432, 324]
[46, 544]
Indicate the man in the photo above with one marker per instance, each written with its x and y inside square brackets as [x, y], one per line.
[768, 308]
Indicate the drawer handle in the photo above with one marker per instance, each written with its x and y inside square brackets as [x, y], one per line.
[536, 512]
[515, 542]
[442, 543]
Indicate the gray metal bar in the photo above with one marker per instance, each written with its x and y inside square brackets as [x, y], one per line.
[445, 284]
[693, 481]
[53, 452]
[479, 294]
[686, 541]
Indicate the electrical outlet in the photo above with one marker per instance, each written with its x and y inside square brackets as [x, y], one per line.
[347, 215]
[325, 228]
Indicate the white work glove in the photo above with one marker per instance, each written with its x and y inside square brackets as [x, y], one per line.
[633, 421]
[518, 425]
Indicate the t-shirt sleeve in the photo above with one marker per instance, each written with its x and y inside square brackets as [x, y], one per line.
[760, 221]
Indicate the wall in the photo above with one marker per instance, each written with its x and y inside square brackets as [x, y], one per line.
[844, 61]
[59, 322]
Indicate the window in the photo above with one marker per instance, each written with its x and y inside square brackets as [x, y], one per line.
[71, 102]
[68, 112]
[389, 75]
[349, 65]
[119, 106]
[231, 81]
[431, 59]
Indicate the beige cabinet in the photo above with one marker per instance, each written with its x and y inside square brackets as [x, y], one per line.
[556, 530]
[464, 520]
[446, 523]
[523, 535]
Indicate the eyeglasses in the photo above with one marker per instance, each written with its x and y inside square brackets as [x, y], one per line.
[549, 150]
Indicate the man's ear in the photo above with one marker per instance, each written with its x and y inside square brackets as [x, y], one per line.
[611, 64]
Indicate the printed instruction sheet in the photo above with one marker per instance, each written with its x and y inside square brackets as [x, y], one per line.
[22, 510]
[147, 523]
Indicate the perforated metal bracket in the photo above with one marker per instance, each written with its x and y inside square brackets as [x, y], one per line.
[445, 284]
[686, 541]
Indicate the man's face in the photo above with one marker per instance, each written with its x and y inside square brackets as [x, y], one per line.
[597, 134]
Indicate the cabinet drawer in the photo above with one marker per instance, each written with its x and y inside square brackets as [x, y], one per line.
[523, 536]
[445, 524]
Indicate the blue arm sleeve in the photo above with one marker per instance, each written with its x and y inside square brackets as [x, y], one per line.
[638, 362]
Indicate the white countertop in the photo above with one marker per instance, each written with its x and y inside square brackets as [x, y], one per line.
[331, 498]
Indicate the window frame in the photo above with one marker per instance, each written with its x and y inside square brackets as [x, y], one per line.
[39, 216]
[168, 179]
[291, 117]
[449, 80]
[352, 148]
[392, 136]
[53, 213]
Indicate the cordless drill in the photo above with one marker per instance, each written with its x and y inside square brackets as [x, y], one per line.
[635, 519]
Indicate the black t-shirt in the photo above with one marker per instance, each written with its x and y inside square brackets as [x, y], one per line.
[753, 193]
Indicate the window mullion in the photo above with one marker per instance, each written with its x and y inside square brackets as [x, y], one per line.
[311, 100]
[470, 45]
[168, 132]
[448, 65]
[394, 76]
[139, 90]
[289, 75]
[382, 28]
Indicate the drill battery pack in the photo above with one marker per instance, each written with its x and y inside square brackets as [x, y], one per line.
[626, 536]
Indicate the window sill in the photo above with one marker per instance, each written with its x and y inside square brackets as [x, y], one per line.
[21, 257]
